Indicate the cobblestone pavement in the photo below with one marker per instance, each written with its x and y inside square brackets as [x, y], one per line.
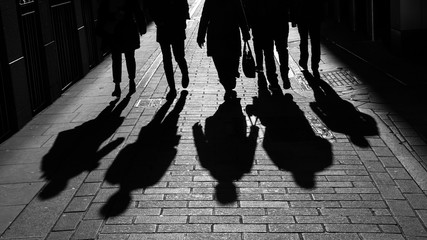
[338, 162]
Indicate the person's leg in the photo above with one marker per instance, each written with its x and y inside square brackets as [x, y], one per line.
[117, 72]
[226, 68]
[258, 49]
[131, 67]
[314, 30]
[168, 67]
[281, 41]
[179, 53]
[303, 46]
[270, 63]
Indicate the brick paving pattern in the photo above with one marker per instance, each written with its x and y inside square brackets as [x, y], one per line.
[377, 191]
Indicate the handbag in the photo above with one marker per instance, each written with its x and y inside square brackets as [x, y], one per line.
[248, 62]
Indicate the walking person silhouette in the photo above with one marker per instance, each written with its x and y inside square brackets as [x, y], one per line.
[269, 23]
[308, 17]
[119, 22]
[170, 17]
[221, 23]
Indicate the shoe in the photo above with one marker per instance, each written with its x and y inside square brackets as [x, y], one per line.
[117, 91]
[171, 95]
[185, 80]
[132, 87]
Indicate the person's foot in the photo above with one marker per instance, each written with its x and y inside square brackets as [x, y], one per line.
[117, 91]
[171, 95]
[132, 87]
[185, 80]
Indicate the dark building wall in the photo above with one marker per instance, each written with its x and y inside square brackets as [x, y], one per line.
[400, 25]
[36, 78]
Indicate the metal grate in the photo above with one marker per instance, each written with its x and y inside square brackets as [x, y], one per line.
[339, 78]
[88, 18]
[5, 98]
[33, 56]
[67, 42]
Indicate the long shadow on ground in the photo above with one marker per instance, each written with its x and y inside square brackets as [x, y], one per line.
[340, 115]
[143, 163]
[77, 150]
[289, 139]
[224, 149]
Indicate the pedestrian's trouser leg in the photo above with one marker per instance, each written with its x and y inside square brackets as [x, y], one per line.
[258, 49]
[303, 46]
[270, 62]
[130, 64]
[179, 54]
[117, 66]
[314, 30]
[167, 64]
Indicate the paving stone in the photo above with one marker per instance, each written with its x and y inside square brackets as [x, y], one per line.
[372, 219]
[400, 208]
[184, 228]
[423, 215]
[417, 201]
[390, 228]
[79, 204]
[68, 221]
[271, 236]
[114, 236]
[390, 192]
[411, 226]
[18, 194]
[87, 229]
[212, 236]
[63, 235]
[9, 213]
[349, 228]
[363, 204]
[296, 227]
[268, 219]
[127, 229]
[408, 186]
[399, 173]
[330, 236]
[381, 236]
[215, 219]
[321, 219]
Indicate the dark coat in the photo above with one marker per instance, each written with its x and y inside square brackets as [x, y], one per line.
[119, 22]
[268, 16]
[170, 17]
[308, 10]
[222, 21]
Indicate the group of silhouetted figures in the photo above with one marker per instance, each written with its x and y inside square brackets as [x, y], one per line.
[223, 146]
[222, 25]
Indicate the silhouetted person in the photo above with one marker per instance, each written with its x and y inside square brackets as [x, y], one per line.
[269, 21]
[308, 16]
[340, 115]
[170, 17]
[289, 139]
[222, 21]
[119, 22]
[224, 149]
[80, 149]
[143, 163]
